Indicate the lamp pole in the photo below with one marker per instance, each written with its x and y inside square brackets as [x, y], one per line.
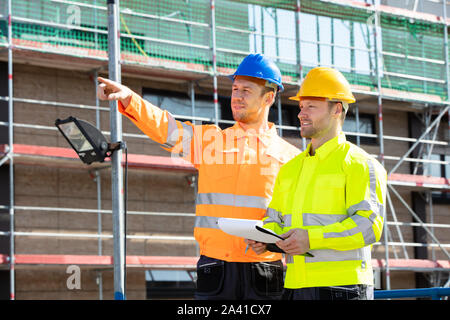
[116, 158]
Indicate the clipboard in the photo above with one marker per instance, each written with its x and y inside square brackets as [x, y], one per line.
[246, 228]
[253, 230]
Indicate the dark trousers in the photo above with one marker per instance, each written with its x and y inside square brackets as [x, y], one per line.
[352, 292]
[221, 280]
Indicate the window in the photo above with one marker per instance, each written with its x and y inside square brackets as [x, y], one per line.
[179, 104]
[162, 284]
[289, 118]
[366, 125]
[441, 168]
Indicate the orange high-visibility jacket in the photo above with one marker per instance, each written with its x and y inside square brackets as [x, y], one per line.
[237, 172]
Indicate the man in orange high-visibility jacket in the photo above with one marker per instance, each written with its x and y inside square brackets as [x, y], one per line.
[237, 169]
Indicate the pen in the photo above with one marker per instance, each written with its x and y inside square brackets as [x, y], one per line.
[246, 249]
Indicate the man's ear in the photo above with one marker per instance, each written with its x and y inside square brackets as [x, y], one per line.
[339, 109]
[270, 98]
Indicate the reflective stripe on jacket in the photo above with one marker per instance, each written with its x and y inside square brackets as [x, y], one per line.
[236, 169]
[338, 195]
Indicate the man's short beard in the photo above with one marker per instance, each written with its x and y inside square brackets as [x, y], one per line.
[241, 117]
[308, 136]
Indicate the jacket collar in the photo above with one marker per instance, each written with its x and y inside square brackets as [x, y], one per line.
[324, 150]
[264, 137]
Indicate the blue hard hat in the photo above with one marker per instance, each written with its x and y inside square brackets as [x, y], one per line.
[258, 66]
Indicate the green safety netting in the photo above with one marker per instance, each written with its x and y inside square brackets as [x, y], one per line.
[412, 51]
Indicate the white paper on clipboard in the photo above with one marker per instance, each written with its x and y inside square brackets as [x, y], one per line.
[246, 228]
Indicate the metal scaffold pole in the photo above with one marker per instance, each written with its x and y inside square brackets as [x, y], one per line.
[214, 61]
[447, 71]
[447, 74]
[280, 119]
[298, 44]
[11, 158]
[378, 58]
[116, 158]
[298, 49]
[98, 182]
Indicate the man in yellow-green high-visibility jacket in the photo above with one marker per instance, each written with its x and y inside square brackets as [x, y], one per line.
[328, 201]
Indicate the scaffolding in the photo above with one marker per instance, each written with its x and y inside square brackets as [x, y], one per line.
[388, 55]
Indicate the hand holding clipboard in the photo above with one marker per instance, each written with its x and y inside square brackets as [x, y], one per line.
[253, 230]
[273, 247]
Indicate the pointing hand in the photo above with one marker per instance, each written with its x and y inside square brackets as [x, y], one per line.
[111, 90]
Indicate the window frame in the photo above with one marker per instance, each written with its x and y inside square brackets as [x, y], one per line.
[370, 141]
[184, 95]
[442, 197]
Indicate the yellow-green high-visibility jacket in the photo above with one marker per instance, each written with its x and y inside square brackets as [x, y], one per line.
[338, 196]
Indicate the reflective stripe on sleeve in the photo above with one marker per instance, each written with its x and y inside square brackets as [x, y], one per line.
[172, 132]
[372, 204]
[274, 216]
[173, 135]
[188, 133]
[228, 199]
[321, 219]
[365, 205]
[363, 225]
[372, 183]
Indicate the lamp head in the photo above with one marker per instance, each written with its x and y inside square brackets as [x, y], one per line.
[87, 141]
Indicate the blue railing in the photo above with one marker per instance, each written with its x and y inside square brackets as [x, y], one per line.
[434, 293]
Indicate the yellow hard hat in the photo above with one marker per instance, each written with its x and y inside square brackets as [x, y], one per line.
[325, 82]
